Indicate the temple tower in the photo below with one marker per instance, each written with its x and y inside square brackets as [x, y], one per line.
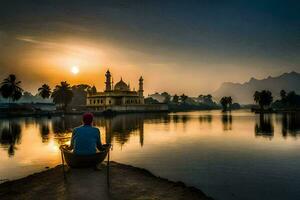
[141, 87]
[108, 83]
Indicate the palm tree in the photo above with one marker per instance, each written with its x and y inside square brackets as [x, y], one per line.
[256, 97]
[229, 102]
[44, 91]
[62, 95]
[10, 88]
[223, 102]
[263, 98]
[226, 102]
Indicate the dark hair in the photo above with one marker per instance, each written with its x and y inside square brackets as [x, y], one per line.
[87, 118]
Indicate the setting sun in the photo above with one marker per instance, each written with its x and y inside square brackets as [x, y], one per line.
[75, 70]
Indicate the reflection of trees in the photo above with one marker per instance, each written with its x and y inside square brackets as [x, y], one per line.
[119, 128]
[10, 136]
[175, 119]
[290, 124]
[205, 119]
[227, 121]
[264, 127]
[63, 126]
[44, 131]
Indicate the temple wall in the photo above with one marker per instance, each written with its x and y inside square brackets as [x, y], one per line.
[131, 108]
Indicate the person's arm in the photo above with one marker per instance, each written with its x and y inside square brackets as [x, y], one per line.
[99, 144]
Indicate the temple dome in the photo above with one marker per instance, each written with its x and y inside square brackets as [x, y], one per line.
[121, 86]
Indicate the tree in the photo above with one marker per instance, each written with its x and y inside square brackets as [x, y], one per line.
[229, 101]
[263, 98]
[80, 93]
[256, 97]
[283, 95]
[183, 98]
[44, 91]
[292, 98]
[167, 97]
[92, 90]
[223, 102]
[175, 99]
[226, 103]
[206, 99]
[62, 95]
[150, 100]
[10, 88]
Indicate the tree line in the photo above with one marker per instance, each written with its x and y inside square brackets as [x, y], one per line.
[62, 94]
[288, 100]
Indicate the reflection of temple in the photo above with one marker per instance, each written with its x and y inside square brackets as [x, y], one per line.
[264, 127]
[120, 128]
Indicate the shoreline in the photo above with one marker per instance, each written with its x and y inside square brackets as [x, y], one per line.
[136, 183]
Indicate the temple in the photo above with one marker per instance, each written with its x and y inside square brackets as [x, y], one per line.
[116, 95]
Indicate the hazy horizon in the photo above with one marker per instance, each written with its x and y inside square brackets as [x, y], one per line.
[177, 47]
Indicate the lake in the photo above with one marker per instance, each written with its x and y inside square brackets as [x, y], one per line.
[237, 155]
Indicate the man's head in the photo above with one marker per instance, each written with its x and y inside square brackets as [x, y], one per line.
[87, 118]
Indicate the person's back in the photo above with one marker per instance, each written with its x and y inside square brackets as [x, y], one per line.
[86, 138]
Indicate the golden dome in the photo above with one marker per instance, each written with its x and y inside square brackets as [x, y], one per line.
[121, 86]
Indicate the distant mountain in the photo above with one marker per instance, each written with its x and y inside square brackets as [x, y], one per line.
[243, 93]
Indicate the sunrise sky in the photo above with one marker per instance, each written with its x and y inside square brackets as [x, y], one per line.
[178, 46]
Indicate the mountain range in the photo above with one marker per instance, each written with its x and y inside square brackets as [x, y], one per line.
[243, 92]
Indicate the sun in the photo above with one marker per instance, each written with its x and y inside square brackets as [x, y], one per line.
[75, 70]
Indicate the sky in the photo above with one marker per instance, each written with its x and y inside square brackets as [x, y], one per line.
[189, 47]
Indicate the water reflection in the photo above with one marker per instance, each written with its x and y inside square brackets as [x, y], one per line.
[227, 121]
[44, 129]
[205, 119]
[264, 126]
[120, 128]
[192, 147]
[291, 125]
[10, 136]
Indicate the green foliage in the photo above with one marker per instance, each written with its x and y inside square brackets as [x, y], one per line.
[62, 95]
[10, 88]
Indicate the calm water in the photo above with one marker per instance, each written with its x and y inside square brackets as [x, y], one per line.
[228, 156]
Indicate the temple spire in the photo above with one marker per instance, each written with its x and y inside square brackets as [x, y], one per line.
[108, 85]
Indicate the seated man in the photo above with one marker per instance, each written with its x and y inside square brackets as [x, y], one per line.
[86, 138]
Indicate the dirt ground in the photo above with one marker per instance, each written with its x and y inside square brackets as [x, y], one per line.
[125, 183]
